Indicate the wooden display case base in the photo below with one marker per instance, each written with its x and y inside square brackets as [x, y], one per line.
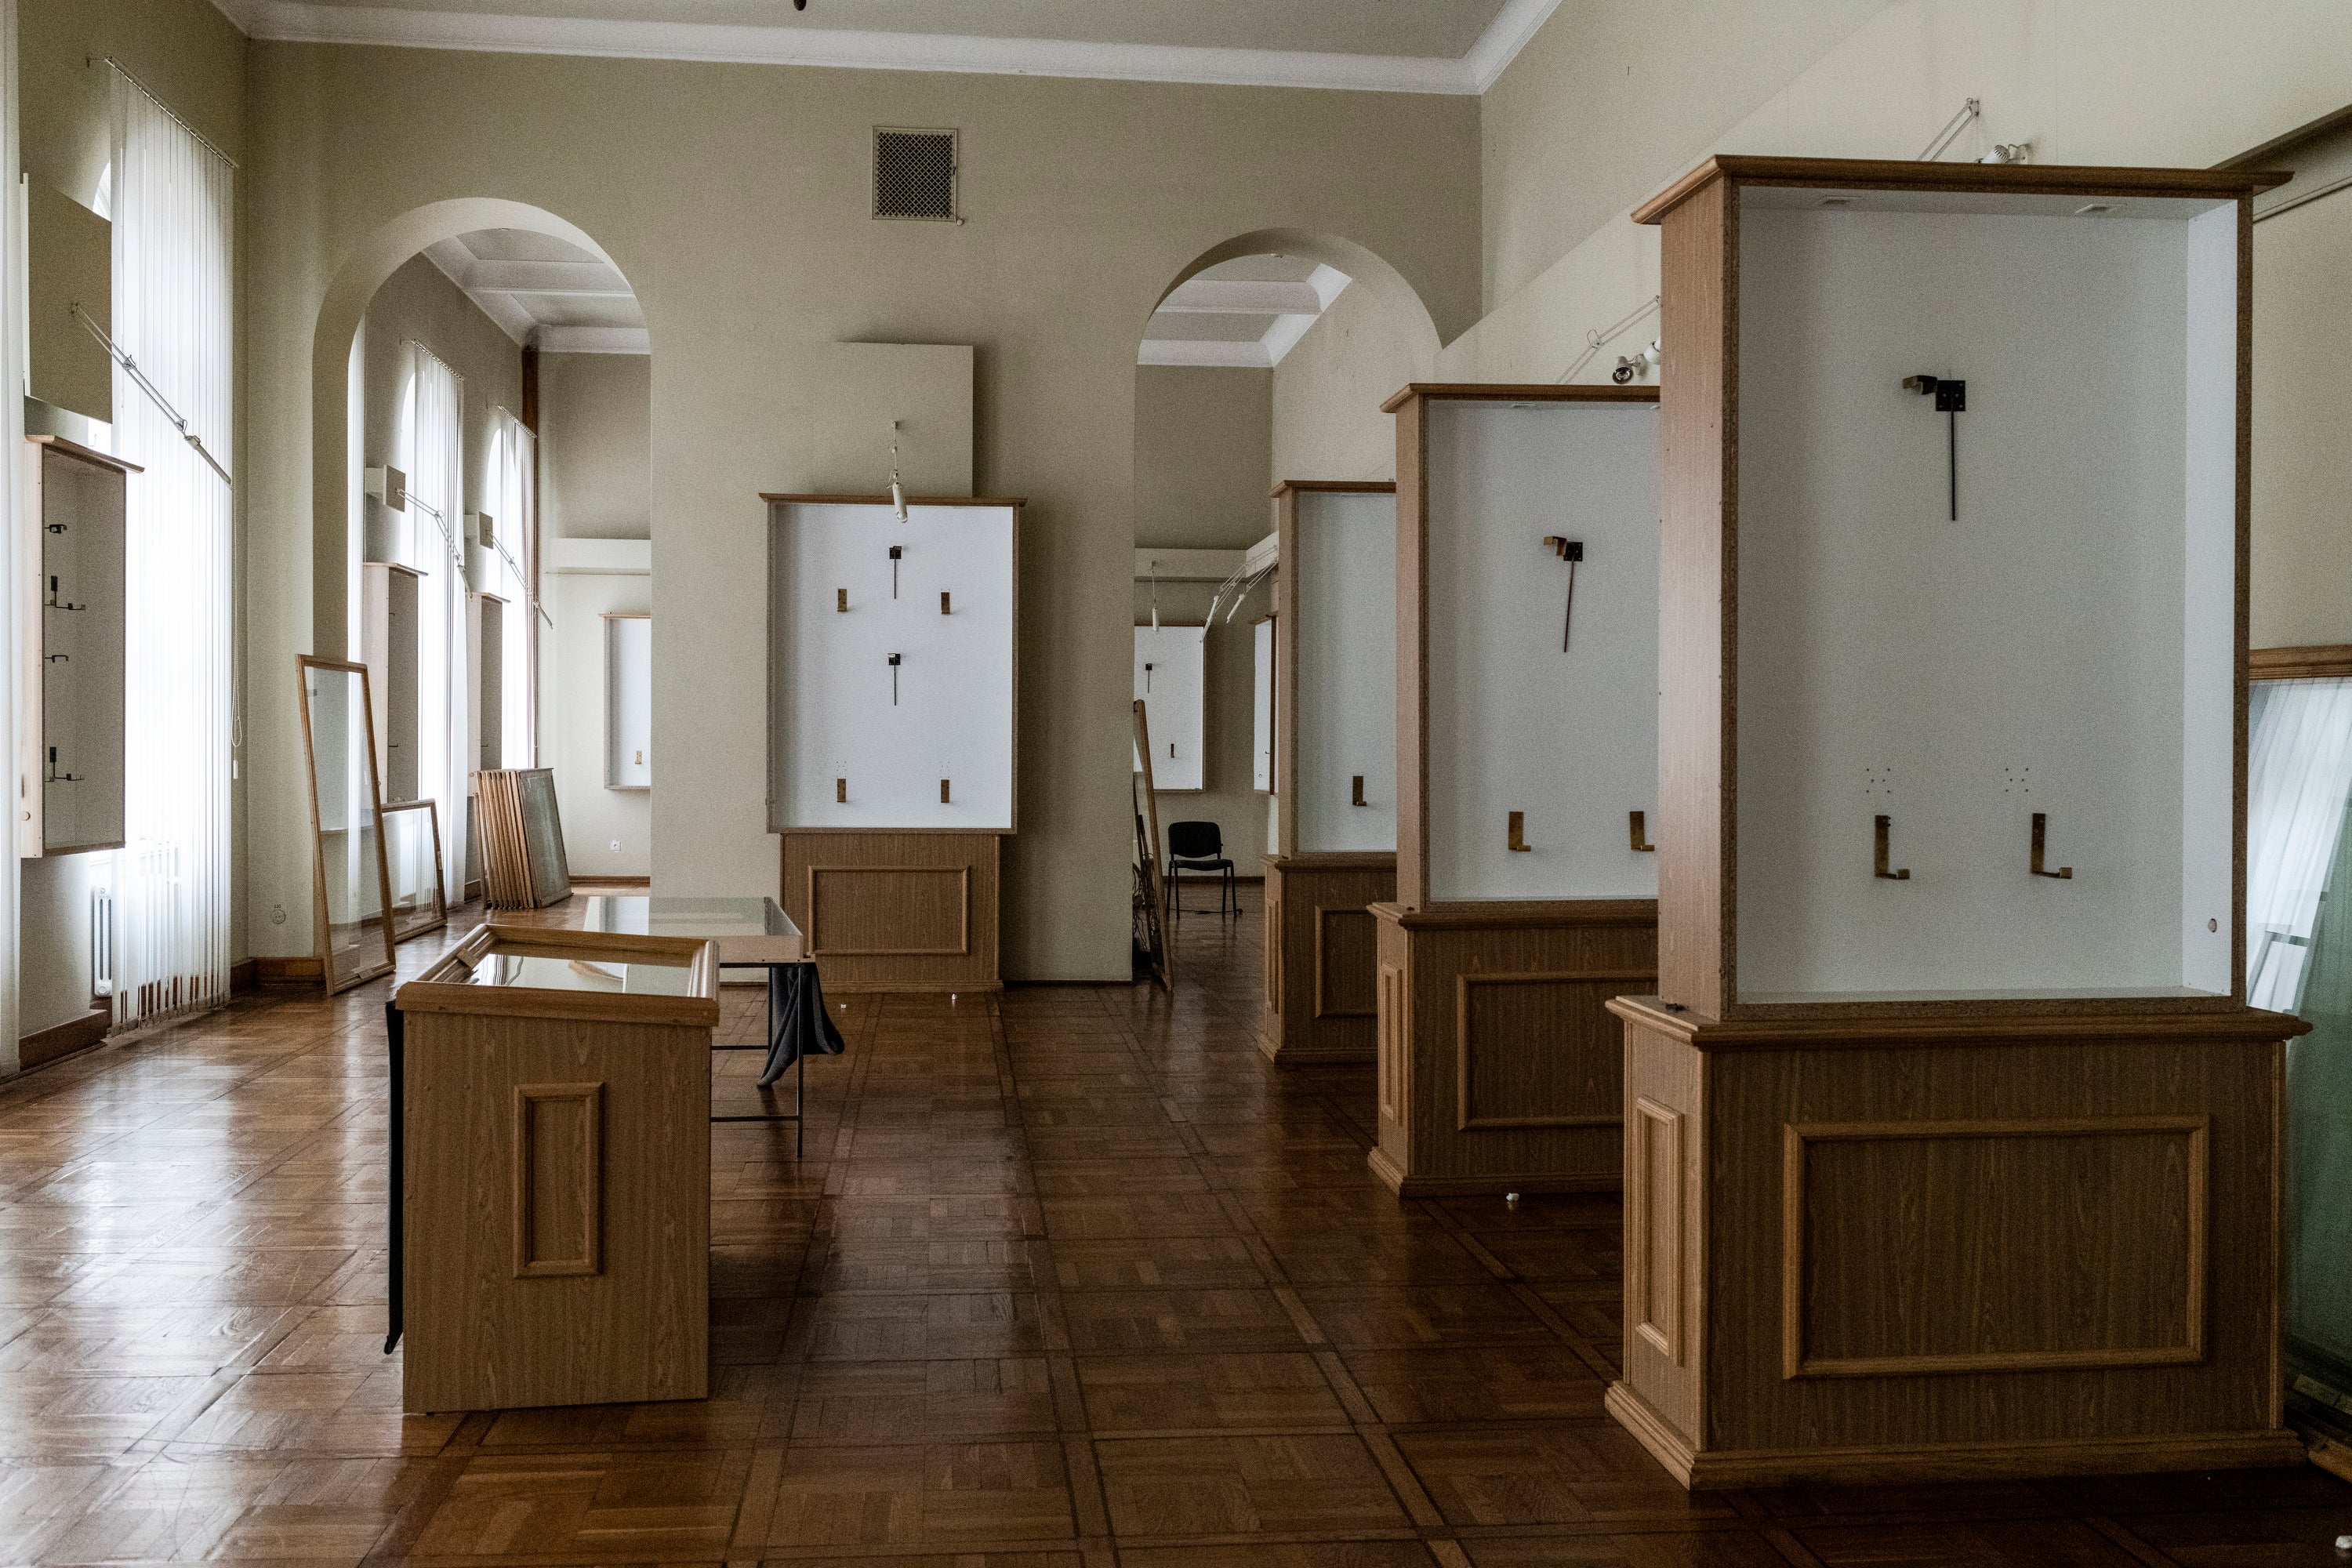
[1500, 1069]
[1926, 1247]
[895, 909]
[1894, 1464]
[1319, 943]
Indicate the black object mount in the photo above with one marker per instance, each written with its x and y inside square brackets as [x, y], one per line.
[894, 674]
[1570, 551]
[1951, 399]
[896, 551]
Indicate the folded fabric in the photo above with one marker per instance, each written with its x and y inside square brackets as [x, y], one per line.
[798, 1023]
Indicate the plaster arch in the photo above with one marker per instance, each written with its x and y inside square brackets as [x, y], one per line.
[1365, 268]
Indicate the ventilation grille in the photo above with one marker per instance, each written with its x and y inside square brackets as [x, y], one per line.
[915, 175]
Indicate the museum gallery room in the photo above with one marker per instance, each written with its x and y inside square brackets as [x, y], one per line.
[1701, 938]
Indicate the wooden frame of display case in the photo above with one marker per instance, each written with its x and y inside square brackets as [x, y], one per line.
[1320, 934]
[1499, 1068]
[2102, 1170]
[903, 909]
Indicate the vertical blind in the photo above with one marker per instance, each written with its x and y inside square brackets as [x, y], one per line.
[174, 207]
[437, 470]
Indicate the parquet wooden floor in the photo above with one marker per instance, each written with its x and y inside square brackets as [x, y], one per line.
[1069, 1276]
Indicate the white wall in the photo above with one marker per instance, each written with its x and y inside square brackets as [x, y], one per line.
[572, 705]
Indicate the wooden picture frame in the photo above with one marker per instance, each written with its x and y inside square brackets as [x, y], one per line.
[438, 915]
[336, 979]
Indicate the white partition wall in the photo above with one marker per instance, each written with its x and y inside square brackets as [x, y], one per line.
[1170, 679]
[891, 689]
[1565, 737]
[1341, 562]
[2062, 646]
[628, 700]
[1261, 687]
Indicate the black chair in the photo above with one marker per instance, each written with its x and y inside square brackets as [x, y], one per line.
[1199, 846]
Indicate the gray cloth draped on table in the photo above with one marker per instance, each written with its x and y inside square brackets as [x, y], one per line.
[800, 1025]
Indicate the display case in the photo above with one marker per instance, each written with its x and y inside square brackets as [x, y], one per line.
[1951, 782]
[628, 700]
[1334, 711]
[70, 767]
[550, 1170]
[485, 656]
[388, 644]
[892, 703]
[1172, 675]
[1263, 677]
[1527, 572]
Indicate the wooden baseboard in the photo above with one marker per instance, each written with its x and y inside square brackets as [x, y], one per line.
[939, 987]
[593, 884]
[1946, 1461]
[63, 1039]
[286, 972]
[1285, 1056]
[241, 976]
[1471, 1186]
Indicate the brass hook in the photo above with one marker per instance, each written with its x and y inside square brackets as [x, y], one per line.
[1884, 823]
[943, 791]
[840, 598]
[2041, 831]
[1360, 799]
[841, 792]
[1637, 825]
[1519, 833]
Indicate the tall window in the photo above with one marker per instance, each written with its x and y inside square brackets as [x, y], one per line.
[514, 474]
[173, 208]
[436, 504]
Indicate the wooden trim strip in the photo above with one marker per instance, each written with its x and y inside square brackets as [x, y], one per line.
[1016, 502]
[2316, 661]
[1877, 173]
[1507, 914]
[1515, 392]
[2154, 1021]
[1333, 486]
[89, 455]
[523, 1158]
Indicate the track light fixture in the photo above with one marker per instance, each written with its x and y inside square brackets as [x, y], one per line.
[897, 490]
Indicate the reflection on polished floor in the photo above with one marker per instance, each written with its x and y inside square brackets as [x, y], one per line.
[1070, 1276]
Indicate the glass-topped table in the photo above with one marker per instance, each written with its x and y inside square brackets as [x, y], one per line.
[751, 933]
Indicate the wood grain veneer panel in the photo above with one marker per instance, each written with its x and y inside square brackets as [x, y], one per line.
[1698, 595]
[558, 1153]
[1321, 954]
[908, 909]
[1911, 1247]
[1343, 963]
[1657, 1195]
[1539, 1050]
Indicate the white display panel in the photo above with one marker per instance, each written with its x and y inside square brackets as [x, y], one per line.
[2066, 646]
[843, 752]
[1261, 687]
[1569, 739]
[628, 701]
[1169, 681]
[1346, 723]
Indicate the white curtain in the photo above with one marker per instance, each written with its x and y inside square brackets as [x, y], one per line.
[2298, 774]
[514, 481]
[173, 246]
[437, 492]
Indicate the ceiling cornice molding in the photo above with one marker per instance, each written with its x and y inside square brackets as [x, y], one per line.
[294, 21]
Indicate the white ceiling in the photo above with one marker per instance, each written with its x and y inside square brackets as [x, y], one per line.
[544, 292]
[1404, 46]
[1246, 313]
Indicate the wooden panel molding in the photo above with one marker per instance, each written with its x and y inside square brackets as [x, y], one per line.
[558, 1157]
[2080, 1242]
[1521, 1054]
[1656, 1191]
[1344, 939]
[1273, 939]
[871, 905]
[2320, 661]
[1393, 1021]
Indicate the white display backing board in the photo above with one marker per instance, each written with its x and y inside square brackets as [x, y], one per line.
[628, 701]
[1346, 566]
[2066, 647]
[1262, 690]
[832, 716]
[1172, 691]
[1570, 739]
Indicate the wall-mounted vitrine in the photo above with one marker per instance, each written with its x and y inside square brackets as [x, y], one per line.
[1527, 657]
[628, 700]
[388, 646]
[892, 703]
[486, 658]
[1262, 720]
[1333, 701]
[1951, 782]
[1171, 681]
[70, 767]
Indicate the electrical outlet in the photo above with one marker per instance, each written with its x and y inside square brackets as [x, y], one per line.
[616, 846]
[277, 914]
